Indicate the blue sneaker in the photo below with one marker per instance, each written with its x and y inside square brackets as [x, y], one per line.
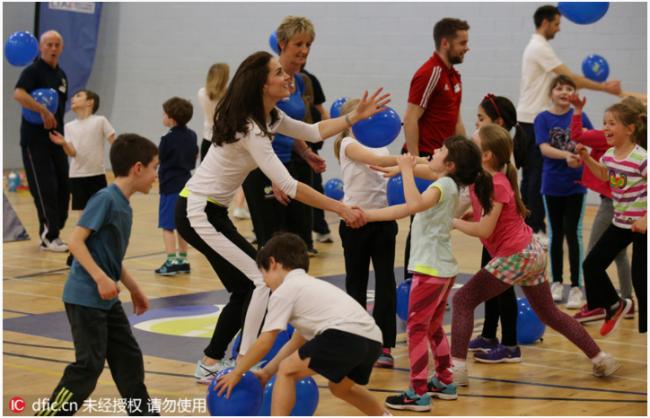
[501, 354]
[410, 401]
[437, 389]
[169, 268]
[482, 344]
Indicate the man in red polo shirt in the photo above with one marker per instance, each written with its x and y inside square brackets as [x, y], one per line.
[433, 109]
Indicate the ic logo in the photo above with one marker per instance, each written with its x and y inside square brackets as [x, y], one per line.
[17, 404]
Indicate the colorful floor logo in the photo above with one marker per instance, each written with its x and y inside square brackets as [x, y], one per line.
[180, 321]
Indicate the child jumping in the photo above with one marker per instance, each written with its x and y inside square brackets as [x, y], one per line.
[518, 258]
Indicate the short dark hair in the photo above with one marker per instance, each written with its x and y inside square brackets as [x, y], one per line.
[287, 249]
[91, 95]
[447, 28]
[543, 13]
[562, 80]
[180, 110]
[129, 149]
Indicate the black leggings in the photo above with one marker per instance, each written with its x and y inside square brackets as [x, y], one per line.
[565, 219]
[600, 290]
[504, 306]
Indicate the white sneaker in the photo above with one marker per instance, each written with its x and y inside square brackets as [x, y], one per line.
[575, 298]
[241, 213]
[460, 375]
[324, 238]
[606, 367]
[56, 245]
[204, 373]
[557, 291]
[542, 238]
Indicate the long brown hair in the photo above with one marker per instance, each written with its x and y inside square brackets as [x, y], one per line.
[244, 101]
[466, 157]
[497, 140]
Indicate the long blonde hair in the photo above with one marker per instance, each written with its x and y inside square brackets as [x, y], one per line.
[497, 140]
[347, 107]
[216, 81]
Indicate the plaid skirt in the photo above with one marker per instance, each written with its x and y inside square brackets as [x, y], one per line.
[525, 268]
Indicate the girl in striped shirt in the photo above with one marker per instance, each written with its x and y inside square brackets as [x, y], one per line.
[625, 167]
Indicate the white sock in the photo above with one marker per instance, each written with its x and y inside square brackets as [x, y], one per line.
[599, 357]
[457, 362]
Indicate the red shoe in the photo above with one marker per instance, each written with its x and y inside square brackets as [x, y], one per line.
[630, 313]
[614, 318]
[585, 315]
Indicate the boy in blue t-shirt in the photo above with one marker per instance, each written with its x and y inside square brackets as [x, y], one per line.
[100, 328]
[178, 153]
[564, 196]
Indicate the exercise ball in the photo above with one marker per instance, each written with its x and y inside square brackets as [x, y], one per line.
[596, 68]
[273, 43]
[529, 326]
[47, 97]
[335, 109]
[21, 48]
[306, 398]
[583, 13]
[333, 188]
[403, 293]
[245, 398]
[379, 129]
[395, 189]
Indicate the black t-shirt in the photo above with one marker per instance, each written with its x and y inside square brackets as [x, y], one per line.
[40, 75]
[319, 98]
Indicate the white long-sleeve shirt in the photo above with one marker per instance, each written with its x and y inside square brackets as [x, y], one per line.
[225, 168]
[208, 107]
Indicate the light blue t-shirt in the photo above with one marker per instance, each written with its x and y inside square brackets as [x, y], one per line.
[430, 234]
[109, 216]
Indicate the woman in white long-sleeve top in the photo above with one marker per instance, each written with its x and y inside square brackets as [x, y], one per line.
[244, 123]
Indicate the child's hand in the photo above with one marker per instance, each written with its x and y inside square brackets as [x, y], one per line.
[640, 225]
[354, 216]
[577, 102]
[582, 151]
[406, 162]
[227, 383]
[108, 288]
[140, 303]
[57, 138]
[573, 161]
[388, 171]
[317, 164]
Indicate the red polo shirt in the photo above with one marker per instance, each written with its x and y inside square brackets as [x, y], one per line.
[436, 88]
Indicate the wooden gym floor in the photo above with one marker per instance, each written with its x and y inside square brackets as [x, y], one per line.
[553, 379]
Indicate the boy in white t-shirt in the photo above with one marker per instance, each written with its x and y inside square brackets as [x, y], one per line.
[334, 336]
[84, 144]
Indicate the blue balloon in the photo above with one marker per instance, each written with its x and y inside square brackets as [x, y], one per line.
[596, 68]
[306, 398]
[47, 97]
[529, 326]
[21, 48]
[282, 338]
[379, 129]
[333, 188]
[403, 293]
[273, 43]
[583, 13]
[245, 398]
[395, 189]
[335, 109]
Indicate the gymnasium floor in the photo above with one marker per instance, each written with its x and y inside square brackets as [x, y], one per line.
[554, 378]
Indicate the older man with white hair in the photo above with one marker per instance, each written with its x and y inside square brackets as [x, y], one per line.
[46, 165]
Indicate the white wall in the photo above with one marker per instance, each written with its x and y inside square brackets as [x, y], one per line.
[149, 52]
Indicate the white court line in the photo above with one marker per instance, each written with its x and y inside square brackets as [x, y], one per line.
[581, 354]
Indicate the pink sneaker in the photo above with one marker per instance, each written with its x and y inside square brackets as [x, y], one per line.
[585, 315]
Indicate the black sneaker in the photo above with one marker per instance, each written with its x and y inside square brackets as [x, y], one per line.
[169, 268]
[409, 401]
[182, 267]
[312, 252]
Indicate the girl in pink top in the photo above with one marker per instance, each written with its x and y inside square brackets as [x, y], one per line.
[518, 258]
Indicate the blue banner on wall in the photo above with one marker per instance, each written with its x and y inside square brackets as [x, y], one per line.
[78, 23]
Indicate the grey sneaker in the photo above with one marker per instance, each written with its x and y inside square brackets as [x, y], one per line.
[460, 375]
[204, 373]
[606, 367]
[56, 245]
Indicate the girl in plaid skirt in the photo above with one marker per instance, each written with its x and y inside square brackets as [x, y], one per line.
[518, 258]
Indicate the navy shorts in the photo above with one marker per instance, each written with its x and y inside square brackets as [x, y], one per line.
[166, 210]
[337, 354]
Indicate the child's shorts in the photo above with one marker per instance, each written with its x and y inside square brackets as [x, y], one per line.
[336, 354]
[82, 189]
[166, 210]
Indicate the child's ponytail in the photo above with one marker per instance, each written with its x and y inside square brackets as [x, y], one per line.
[483, 188]
[511, 173]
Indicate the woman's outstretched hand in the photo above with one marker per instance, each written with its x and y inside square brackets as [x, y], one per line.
[368, 106]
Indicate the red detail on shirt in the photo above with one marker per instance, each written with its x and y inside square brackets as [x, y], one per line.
[438, 89]
[595, 139]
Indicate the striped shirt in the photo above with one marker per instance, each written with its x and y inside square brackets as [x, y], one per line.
[628, 181]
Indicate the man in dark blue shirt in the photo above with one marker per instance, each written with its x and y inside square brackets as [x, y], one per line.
[46, 165]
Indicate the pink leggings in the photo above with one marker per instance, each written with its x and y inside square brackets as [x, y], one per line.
[483, 286]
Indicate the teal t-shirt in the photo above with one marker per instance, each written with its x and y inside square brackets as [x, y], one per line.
[430, 234]
[109, 216]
